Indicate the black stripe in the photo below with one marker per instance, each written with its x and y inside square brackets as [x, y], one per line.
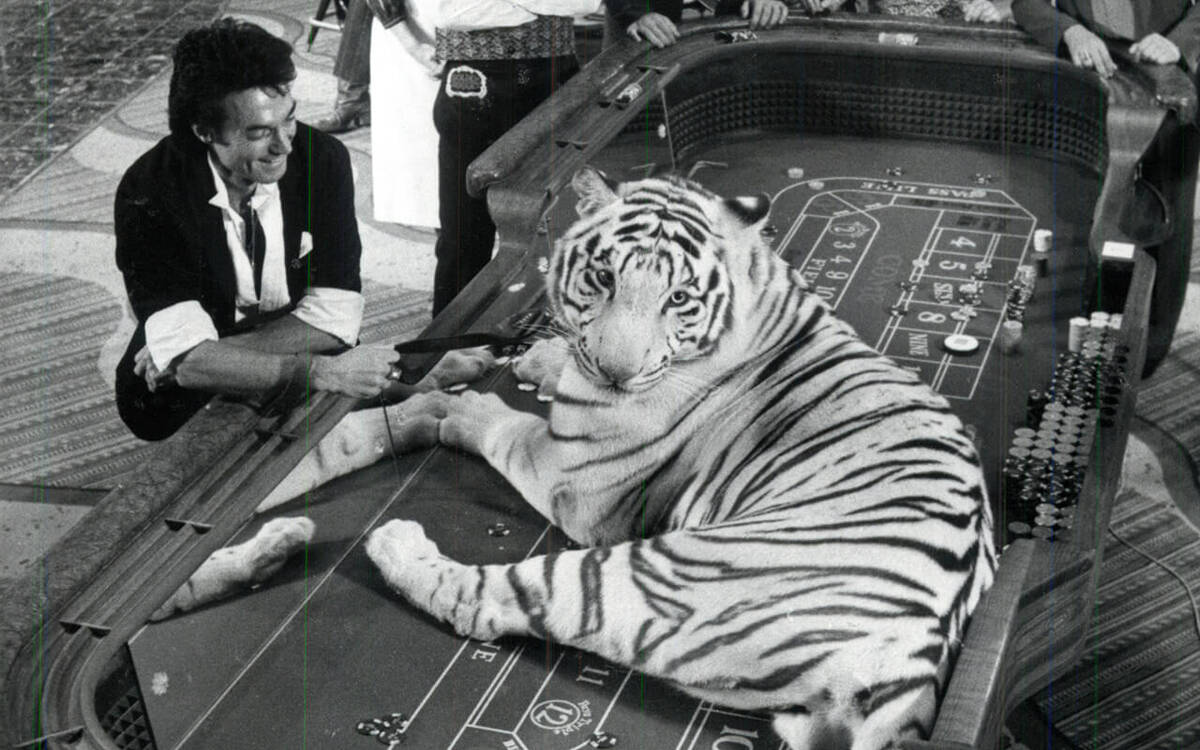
[591, 616]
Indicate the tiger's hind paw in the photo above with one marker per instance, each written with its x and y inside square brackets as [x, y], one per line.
[229, 569]
[274, 543]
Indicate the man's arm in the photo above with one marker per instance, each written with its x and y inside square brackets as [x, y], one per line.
[281, 352]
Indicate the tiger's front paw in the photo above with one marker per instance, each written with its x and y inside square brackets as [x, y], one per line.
[543, 363]
[462, 419]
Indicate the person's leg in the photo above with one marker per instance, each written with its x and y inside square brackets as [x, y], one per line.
[152, 415]
[466, 126]
[352, 68]
[1172, 169]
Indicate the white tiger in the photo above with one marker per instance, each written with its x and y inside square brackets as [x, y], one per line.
[777, 517]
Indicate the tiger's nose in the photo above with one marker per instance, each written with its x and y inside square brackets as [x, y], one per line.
[616, 376]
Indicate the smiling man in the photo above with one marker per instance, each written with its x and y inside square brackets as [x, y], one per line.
[237, 239]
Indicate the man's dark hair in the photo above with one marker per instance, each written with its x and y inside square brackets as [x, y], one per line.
[211, 62]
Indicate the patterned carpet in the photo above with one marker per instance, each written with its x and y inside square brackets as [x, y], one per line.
[1138, 688]
[66, 63]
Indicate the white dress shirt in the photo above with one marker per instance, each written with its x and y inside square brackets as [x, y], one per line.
[177, 329]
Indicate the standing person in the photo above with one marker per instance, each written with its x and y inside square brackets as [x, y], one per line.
[238, 243]
[404, 169]
[501, 60]
[1155, 32]
[352, 68]
[1161, 32]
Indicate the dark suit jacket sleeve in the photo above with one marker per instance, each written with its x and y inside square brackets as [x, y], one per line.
[1186, 36]
[1042, 21]
[337, 248]
[160, 269]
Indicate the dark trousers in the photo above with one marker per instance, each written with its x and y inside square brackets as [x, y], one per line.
[152, 415]
[466, 127]
[1171, 166]
[353, 61]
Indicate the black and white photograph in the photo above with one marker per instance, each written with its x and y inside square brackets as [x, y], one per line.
[573, 374]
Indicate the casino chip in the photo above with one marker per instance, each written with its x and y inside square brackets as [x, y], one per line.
[960, 343]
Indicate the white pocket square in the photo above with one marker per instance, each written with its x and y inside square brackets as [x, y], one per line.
[305, 243]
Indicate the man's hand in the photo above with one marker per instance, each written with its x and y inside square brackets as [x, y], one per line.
[143, 365]
[1089, 51]
[655, 28]
[361, 372]
[764, 14]
[423, 53]
[981, 11]
[820, 6]
[1156, 48]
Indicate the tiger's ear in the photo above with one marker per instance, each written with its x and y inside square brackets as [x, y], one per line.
[750, 210]
[594, 189]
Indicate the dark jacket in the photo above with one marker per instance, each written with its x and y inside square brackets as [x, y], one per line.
[171, 247]
[1177, 20]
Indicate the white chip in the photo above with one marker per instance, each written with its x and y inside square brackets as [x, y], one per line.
[1043, 240]
[662, 131]
[795, 173]
[545, 398]
[817, 185]
[526, 386]
[1117, 250]
[456, 387]
[960, 343]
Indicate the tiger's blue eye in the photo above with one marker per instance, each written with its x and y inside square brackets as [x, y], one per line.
[604, 278]
[679, 298]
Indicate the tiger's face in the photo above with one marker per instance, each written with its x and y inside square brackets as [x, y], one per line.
[644, 279]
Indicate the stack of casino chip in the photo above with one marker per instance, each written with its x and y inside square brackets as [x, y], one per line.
[1048, 457]
[1020, 291]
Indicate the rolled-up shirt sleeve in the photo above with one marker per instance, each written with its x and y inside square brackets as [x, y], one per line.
[176, 330]
[337, 312]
